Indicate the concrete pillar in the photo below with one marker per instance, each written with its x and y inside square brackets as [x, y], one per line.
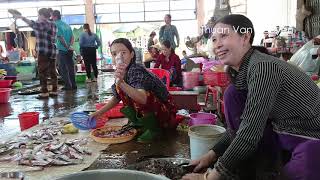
[90, 19]
[200, 15]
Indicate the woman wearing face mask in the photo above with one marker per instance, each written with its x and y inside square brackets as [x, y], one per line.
[266, 94]
[148, 104]
[168, 60]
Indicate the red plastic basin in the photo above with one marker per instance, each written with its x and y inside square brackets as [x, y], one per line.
[13, 78]
[28, 120]
[4, 95]
[113, 112]
[5, 83]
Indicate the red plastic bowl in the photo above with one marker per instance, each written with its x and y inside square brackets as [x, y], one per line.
[202, 118]
[4, 95]
[5, 83]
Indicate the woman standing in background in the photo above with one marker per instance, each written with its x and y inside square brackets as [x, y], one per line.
[89, 42]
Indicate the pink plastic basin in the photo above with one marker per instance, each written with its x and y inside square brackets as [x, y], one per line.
[202, 118]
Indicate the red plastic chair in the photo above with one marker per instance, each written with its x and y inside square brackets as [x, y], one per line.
[162, 74]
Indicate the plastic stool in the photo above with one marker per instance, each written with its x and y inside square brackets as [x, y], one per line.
[162, 74]
[210, 90]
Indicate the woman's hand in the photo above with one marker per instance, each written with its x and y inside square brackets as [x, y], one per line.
[212, 175]
[194, 176]
[204, 162]
[121, 69]
[95, 114]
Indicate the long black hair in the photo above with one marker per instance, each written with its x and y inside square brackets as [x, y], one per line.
[167, 44]
[239, 22]
[128, 45]
[87, 27]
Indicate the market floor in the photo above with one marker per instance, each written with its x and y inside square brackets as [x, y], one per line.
[65, 103]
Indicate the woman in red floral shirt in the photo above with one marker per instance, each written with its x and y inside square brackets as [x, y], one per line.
[171, 62]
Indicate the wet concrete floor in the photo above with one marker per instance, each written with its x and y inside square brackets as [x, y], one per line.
[67, 102]
[170, 144]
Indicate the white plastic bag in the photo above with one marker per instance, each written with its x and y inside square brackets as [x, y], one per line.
[303, 59]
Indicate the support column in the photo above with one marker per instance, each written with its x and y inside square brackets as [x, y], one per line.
[90, 19]
[200, 15]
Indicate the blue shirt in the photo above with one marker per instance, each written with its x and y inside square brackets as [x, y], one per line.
[64, 31]
[89, 41]
[168, 33]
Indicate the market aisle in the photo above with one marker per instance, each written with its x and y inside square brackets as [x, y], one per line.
[67, 101]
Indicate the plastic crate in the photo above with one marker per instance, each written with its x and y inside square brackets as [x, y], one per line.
[81, 78]
[216, 78]
[113, 112]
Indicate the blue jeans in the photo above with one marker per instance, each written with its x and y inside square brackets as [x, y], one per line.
[66, 69]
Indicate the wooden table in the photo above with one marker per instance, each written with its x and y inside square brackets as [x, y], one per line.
[186, 99]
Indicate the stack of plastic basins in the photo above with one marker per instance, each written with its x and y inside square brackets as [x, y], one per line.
[190, 80]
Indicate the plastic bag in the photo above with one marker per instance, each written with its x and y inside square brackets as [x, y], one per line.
[303, 59]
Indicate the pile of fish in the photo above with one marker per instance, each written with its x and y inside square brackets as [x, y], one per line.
[45, 147]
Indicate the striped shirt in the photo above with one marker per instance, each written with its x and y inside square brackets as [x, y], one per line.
[277, 91]
[46, 34]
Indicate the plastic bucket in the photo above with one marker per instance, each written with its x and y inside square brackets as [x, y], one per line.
[5, 83]
[202, 118]
[190, 79]
[4, 95]
[203, 138]
[28, 120]
[81, 77]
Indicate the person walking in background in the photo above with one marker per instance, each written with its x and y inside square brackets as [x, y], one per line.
[148, 56]
[65, 52]
[89, 42]
[45, 32]
[168, 32]
[151, 40]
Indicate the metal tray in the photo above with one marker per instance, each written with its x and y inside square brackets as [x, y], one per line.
[169, 167]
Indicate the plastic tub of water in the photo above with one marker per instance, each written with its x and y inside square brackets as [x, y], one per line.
[203, 138]
[202, 118]
[112, 174]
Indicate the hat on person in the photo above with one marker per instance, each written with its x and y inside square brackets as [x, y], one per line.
[157, 46]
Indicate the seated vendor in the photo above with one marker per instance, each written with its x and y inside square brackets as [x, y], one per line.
[148, 104]
[152, 55]
[270, 107]
[168, 60]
